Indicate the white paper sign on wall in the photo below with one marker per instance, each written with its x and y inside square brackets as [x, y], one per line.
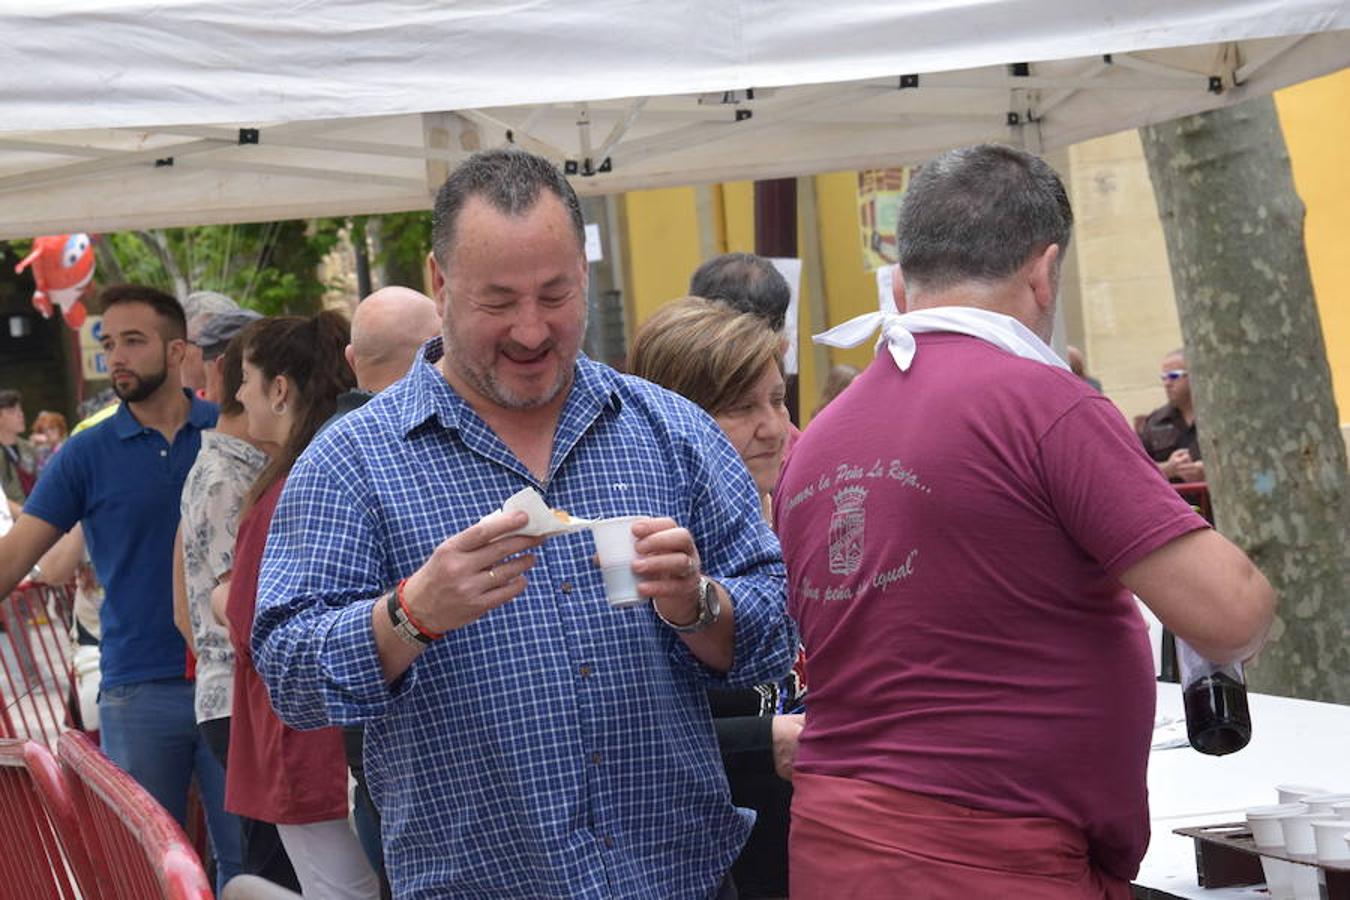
[594, 250]
[791, 270]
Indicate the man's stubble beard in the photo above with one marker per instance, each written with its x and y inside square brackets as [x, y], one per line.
[486, 383]
[145, 386]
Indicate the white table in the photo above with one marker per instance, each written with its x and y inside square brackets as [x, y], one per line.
[1293, 741]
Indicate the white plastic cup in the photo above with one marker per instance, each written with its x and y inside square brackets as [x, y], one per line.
[1294, 793]
[617, 548]
[1298, 834]
[1330, 836]
[1325, 803]
[1300, 843]
[1265, 823]
[1269, 836]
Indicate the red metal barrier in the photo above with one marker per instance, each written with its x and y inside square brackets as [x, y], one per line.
[35, 667]
[40, 853]
[139, 852]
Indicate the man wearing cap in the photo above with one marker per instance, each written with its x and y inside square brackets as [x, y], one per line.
[199, 309]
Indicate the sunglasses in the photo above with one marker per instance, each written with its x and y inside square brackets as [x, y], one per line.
[1173, 374]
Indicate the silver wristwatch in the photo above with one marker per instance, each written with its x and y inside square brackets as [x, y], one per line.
[709, 609]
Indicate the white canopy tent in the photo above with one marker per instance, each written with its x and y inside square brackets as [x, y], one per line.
[174, 112]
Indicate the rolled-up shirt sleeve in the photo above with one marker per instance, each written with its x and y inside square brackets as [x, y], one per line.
[323, 569]
[739, 551]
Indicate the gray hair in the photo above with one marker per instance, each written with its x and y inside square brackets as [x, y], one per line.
[977, 214]
[510, 179]
[747, 283]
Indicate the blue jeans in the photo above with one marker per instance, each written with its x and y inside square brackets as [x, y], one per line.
[150, 731]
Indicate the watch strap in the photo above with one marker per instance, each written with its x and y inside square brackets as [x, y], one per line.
[709, 610]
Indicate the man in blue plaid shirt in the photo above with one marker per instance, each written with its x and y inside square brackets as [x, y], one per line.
[524, 739]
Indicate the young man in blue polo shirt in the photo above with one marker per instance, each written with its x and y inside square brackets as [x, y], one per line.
[121, 480]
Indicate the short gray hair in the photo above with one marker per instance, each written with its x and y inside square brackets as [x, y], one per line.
[977, 214]
[510, 179]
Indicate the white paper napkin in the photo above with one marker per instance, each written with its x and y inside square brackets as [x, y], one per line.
[543, 522]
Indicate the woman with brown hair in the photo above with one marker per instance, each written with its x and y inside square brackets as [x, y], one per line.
[731, 364]
[293, 372]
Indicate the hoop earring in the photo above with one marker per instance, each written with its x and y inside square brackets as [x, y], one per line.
[279, 409]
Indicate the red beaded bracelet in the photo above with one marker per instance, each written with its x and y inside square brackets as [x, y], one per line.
[403, 605]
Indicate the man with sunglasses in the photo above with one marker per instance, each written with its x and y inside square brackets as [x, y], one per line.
[1169, 432]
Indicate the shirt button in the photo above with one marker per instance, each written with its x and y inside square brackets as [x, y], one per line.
[164, 453]
[585, 671]
[595, 759]
[566, 587]
[609, 842]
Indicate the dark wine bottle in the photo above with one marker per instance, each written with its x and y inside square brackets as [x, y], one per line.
[1218, 721]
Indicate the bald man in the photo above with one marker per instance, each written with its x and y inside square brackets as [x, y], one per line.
[387, 329]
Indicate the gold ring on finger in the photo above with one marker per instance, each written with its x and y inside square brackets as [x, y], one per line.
[492, 574]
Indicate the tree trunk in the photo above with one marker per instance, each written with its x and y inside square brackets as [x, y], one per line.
[1269, 430]
[108, 263]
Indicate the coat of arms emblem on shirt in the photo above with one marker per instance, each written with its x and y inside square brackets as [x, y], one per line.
[846, 531]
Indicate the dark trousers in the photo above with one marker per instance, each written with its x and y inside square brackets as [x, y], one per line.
[264, 855]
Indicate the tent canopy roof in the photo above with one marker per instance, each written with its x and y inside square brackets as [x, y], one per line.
[140, 114]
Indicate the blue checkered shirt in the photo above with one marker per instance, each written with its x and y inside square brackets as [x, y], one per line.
[555, 748]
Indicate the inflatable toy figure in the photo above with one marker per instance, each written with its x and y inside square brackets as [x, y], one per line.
[63, 265]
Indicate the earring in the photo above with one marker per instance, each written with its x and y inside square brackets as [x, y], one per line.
[279, 409]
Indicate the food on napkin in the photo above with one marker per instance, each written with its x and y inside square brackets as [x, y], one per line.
[543, 520]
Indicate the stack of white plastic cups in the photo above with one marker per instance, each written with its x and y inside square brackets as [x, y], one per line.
[1300, 843]
[1269, 838]
[1331, 828]
[1308, 824]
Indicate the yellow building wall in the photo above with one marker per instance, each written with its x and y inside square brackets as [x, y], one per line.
[1315, 117]
[738, 207]
[663, 248]
[850, 289]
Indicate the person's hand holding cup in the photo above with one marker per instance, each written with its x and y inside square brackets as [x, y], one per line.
[646, 559]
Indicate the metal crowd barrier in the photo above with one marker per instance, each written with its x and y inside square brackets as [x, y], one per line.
[35, 662]
[138, 850]
[36, 822]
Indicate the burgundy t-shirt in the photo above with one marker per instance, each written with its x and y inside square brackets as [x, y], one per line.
[275, 773]
[954, 537]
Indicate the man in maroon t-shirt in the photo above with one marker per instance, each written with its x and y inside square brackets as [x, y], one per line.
[963, 529]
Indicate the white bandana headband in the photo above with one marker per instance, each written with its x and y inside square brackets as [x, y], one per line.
[897, 332]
